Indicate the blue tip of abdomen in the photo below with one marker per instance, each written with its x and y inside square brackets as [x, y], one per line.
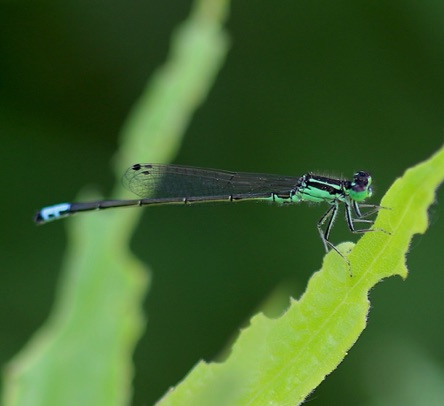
[51, 213]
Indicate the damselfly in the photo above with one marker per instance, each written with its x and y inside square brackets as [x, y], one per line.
[159, 184]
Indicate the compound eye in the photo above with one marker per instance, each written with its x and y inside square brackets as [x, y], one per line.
[361, 174]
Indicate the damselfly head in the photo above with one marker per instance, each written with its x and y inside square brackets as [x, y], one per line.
[360, 188]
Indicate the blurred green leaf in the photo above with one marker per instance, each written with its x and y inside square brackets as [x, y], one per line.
[83, 355]
[415, 377]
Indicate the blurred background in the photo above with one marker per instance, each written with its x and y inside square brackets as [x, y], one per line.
[308, 86]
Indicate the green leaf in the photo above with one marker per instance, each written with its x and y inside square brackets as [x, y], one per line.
[281, 361]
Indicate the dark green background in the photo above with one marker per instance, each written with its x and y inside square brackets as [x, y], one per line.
[308, 86]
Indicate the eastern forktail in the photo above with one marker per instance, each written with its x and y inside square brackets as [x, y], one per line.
[158, 184]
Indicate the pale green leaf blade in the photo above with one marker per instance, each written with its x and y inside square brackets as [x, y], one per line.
[281, 361]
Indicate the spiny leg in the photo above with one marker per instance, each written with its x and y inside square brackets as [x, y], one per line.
[360, 217]
[329, 217]
[373, 209]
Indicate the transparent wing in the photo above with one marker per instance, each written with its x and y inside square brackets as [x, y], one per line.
[176, 181]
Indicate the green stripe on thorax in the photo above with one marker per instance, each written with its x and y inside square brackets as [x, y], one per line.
[315, 188]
